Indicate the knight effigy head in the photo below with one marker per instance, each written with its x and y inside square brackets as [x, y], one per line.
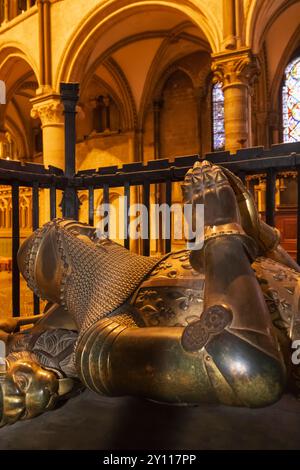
[42, 264]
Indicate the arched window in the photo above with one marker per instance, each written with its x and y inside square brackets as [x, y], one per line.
[23, 5]
[177, 136]
[291, 102]
[106, 114]
[218, 128]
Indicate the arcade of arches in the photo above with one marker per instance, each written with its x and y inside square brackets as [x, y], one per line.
[157, 79]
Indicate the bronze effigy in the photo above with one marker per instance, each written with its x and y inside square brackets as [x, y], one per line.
[210, 325]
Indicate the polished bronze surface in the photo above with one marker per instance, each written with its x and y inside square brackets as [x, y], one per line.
[27, 389]
[210, 325]
[212, 231]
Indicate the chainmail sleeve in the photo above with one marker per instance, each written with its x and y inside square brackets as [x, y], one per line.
[99, 277]
[91, 278]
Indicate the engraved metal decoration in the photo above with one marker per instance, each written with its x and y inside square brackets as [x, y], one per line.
[213, 321]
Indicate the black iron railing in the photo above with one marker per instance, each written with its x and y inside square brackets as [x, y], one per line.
[161, 173]
[14, 174]
[245, 162]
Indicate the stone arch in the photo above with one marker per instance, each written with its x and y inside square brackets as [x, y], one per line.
[20, 139]
[109, 90]
[11, 52]
[127, 100]
[94, 25]
[25, 219]
[197, 78]
[259, 18]
[275, 88]
[16, 68]
[166, 74]
[200, 78]
[177, 92]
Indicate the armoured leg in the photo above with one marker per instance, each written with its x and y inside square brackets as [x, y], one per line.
[229, 356]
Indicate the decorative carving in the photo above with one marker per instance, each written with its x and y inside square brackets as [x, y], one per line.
[212, 322]
[169, 306]
[281, 291]
[237, 72]
[49, 111]
[235, 69]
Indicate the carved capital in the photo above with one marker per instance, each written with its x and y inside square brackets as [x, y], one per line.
[234, 69]
[48, 109]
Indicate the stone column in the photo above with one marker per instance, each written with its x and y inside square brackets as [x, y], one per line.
[49, 110]
[229, 32]
[237, 71]
[13, 8]
[6, 11]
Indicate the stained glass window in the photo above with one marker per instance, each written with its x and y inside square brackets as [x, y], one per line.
[218, 117]
[291, 102]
